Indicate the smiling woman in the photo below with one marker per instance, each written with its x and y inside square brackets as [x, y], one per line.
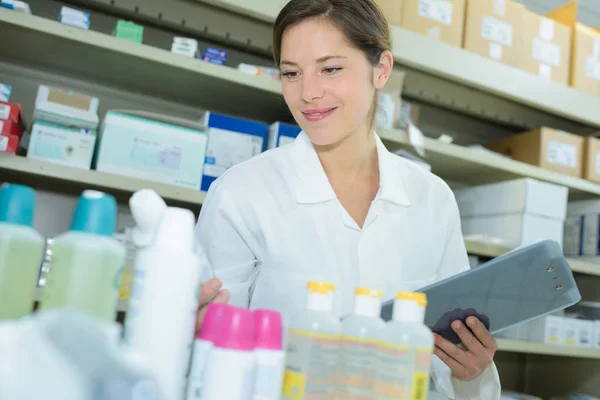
[336, 206]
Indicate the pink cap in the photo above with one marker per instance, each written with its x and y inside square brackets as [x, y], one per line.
[213, 320]
[269, 330]
[237, 330]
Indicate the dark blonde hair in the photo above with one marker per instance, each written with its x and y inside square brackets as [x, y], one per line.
[361, 21]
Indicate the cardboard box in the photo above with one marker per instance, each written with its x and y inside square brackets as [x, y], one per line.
[573, 236]
[582, 229]
[9, 143]
[61, 145]
[548, 148]
[392, 9]
[281, 134]
[591, 159]
[442, 20]
[546, 48]
[11, 112]
[63, 107]
[231, 141]
[585, 54]
[152, 147]
[494, 28]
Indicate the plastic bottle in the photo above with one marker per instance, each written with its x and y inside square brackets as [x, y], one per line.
[87, 261]
[21, 251]
[203, 344]
[404, 352]
[161, 316]
[313, 347]
[147, 208]
[358, 352]
[270, 357]
[231, 364]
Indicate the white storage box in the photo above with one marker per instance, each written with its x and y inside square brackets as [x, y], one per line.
[571, 331]
[518, 211]
[597, 334]
[62, 107]
[586, 333]
[548, 329]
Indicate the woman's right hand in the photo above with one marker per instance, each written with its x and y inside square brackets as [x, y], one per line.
[207, 291]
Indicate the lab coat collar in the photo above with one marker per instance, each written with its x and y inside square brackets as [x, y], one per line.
[312, 185]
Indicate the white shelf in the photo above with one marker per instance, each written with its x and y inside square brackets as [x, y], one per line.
[51, 174]
[461, 164]
[528, 347]
[137, 67]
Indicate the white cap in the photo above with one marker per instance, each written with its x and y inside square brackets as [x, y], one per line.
[175, 231]
[409, 307]
[367, 302]
[320, 296]
[147, 208]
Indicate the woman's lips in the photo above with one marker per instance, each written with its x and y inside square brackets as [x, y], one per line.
[318, 114]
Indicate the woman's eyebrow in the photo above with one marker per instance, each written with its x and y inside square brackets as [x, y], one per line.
[319, 60]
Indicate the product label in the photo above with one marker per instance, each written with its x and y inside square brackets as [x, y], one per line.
[436, 10]
[563, 154]
[592, 67]
[71, 147]
[311, 365]
[597, 163]
[500, 7]
[495, 51]
[226, 149]
[394, 376]
[4, 111]
[546, 52]
[434, 33]
[196, 378]
[546, 29]
[1, 126]
[596, 50]
[570, 335]
[420, 383]
[3, 143]
[585, 338]
[496, 30]
[358, 363]
[545, 71]
[268, 377]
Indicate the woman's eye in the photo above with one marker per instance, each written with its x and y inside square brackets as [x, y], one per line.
[332, 70]
[289, 75]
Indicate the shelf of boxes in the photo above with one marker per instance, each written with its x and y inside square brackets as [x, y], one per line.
[530, 347]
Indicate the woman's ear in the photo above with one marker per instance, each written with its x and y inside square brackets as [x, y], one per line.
[383, 70]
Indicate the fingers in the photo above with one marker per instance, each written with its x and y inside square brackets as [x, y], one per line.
[458, 370]
[468, 339]
[483, 335]
[209, 289]
[452, 350]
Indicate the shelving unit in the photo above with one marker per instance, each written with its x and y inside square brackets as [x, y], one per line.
[527, 347]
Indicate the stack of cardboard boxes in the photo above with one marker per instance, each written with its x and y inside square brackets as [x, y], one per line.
[555, 46]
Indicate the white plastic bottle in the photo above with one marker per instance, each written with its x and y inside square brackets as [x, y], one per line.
[162, 312]
[404, 352]
[203, 344]
[313, 347]
[270, 357]
[231, 364]
[21, 251]
[358, 352]
[146, 207]
[87, 261]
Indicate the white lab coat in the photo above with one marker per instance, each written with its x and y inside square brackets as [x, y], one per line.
[273, 223]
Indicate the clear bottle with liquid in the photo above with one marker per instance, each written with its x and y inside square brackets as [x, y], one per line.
[405, 351]
[358, 353]
[87, 261]
[21, 251]
[313, 347]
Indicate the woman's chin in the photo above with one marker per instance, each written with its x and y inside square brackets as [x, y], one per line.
[321, 138]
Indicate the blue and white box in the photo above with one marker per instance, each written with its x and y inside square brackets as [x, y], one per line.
[148, 148]
[216, 53]
[281, 134]
[231, 141]
[5, 91]
[75, 18]
[72, 147]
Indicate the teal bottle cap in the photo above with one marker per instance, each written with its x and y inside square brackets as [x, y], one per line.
[17, 204]
[96, 213]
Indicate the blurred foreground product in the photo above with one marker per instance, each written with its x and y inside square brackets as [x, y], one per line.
[270, 357]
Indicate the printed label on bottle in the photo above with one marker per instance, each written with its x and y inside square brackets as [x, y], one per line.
[546, 52]
[562, 154]
[436, 10]
[311, 364]
[498, 31]
[4, 111]
[393, 379]
[420, 384]
[3, 143]
[357, 366]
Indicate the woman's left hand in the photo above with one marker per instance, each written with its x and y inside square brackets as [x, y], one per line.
[467, 363]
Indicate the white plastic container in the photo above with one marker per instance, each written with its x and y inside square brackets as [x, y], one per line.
[313, 347]
[21, 251]
[405, 351]
[161, 316]
[203, 344]
[358, 352]
[270, 357]
[231, 364]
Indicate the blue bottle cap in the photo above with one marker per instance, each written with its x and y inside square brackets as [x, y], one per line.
[96, 213]
[17, 204]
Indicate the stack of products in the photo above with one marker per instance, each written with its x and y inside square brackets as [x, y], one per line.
[64, 128]
[582, 229]
[281, 134]
[214, 56]
[130, 31]
[16, 5]
[272, 73]
[5, 91]
[75, 18]
[185, 47]
[12, 127]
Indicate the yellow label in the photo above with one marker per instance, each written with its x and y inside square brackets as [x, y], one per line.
[313, 334]
[571, 341]
[420, 386]
[359, 339]
[394, 346]
[126, 281]
[293, 385]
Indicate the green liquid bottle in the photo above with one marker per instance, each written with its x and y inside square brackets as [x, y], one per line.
[21, 251]
[87, 261]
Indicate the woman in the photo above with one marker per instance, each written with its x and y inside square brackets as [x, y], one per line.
[335, 205]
